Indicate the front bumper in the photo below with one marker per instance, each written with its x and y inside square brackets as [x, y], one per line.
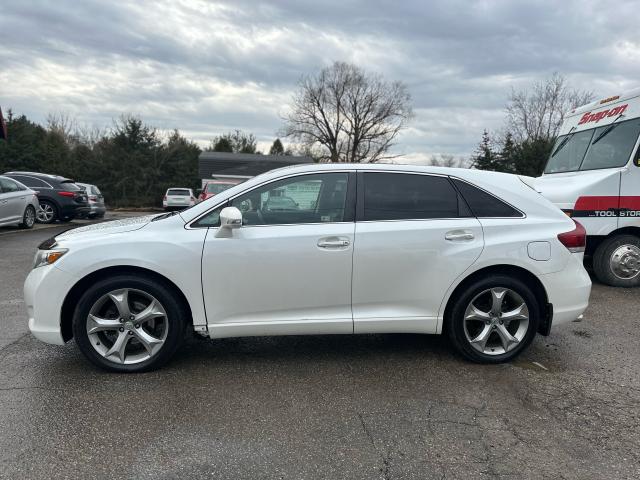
[44, 292]
[568, 290]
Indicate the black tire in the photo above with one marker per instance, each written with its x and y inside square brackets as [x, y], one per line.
[54, 210]
[28, 218]
[455, 320]
[602, 260]
[176, 320]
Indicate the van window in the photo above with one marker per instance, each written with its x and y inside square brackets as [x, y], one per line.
[404, 196]
[587, 150]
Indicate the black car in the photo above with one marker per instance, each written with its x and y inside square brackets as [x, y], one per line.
[60, 198]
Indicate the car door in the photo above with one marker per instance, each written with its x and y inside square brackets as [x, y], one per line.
[287, 270]
[414, 237]
[13, 200]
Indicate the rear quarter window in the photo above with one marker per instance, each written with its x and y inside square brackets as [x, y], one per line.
[483, 204]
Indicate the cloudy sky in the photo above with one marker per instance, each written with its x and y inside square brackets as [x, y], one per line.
[209, 67]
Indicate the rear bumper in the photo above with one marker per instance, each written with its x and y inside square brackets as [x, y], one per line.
[568, 290]
[73, 211]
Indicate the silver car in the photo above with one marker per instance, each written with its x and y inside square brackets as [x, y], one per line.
[96, 200]
[18, 204]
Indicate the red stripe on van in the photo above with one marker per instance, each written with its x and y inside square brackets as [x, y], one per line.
[597, 203]
[605, 202]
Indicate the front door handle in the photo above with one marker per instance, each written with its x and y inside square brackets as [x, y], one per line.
[333, 242]
[459, 235]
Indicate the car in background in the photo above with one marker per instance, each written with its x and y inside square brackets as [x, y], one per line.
[60, 198]
[18, 204]
[476, 255]
[214, 187]
[178, 198]
[96, 201]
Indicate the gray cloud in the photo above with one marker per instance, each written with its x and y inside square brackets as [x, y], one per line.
[207, 67]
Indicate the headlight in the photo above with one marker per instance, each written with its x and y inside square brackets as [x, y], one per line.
[48, 257]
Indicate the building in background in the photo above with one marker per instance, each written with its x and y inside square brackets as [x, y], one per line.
[241, 166]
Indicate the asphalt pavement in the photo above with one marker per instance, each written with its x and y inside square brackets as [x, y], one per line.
[338, 407]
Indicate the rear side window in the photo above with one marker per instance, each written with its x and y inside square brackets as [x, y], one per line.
[403, 196]
[32, 182]
[178, 191]
[483, 204]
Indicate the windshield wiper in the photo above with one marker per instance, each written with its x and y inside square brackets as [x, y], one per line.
[164, 215]
[564, 142]
[607, 130]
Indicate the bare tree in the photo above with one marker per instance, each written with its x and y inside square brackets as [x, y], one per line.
[448, 160]
[352, 115]
[537, 113]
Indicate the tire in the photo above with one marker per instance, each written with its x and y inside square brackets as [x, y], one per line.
[126, 325]
[28, 218]
[467, 328]
[48, 212]
[616, 261]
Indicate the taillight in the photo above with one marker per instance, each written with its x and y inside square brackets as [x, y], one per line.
[165, 198]
[67, 194]
[576, 239]
[93, 198]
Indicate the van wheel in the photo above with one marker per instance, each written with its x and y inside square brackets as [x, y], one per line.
[494, 319]
[616, 261]
[129, 323]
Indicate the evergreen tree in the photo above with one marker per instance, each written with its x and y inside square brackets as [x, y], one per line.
[485, 157]
[277, 148]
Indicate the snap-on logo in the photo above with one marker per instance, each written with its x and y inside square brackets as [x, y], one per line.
[596, 117]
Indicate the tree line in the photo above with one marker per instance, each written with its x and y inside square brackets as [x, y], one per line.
[340, 114]
[132, 163]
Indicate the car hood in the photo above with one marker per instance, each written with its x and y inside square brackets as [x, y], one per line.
[106, 228]
[563, 189]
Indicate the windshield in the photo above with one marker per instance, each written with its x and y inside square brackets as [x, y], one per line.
[581, 153]
[218, 187]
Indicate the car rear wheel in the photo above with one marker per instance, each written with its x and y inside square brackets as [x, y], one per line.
[616, 261]
[494, 319]
[47, 213]
[128, 324]
[29, 217]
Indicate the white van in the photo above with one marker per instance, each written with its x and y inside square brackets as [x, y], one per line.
[593, 175]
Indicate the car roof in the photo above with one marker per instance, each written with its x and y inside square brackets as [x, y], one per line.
[45, 176]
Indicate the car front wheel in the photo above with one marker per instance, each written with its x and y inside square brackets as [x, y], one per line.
[128, 324]
[494, 319]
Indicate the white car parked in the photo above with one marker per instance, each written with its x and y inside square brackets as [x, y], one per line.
[367, 249]
[18, 204]
[178, 198]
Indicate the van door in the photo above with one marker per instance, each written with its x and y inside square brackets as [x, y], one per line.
[630, 193]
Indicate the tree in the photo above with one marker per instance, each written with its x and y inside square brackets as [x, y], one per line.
[486, 158]
[277, 148]
[538, 112]
[447, 160]
[234, 142]
[351, 115]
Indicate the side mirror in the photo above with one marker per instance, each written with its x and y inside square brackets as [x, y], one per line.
[230, 219]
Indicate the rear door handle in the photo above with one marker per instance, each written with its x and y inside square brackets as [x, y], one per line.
[333, 242]
[459, 235]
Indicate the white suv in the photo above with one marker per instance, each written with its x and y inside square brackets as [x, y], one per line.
[319, 249]
[178, 198]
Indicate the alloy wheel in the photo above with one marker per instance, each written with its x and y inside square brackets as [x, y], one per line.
[45, 213]
[625, 262]
[29, 217]
[127, 326]
[496, 321]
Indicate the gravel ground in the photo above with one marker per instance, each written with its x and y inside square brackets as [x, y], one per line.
[370, 406]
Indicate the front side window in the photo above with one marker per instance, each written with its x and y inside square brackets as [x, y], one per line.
[402, 196]
[317, 198]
